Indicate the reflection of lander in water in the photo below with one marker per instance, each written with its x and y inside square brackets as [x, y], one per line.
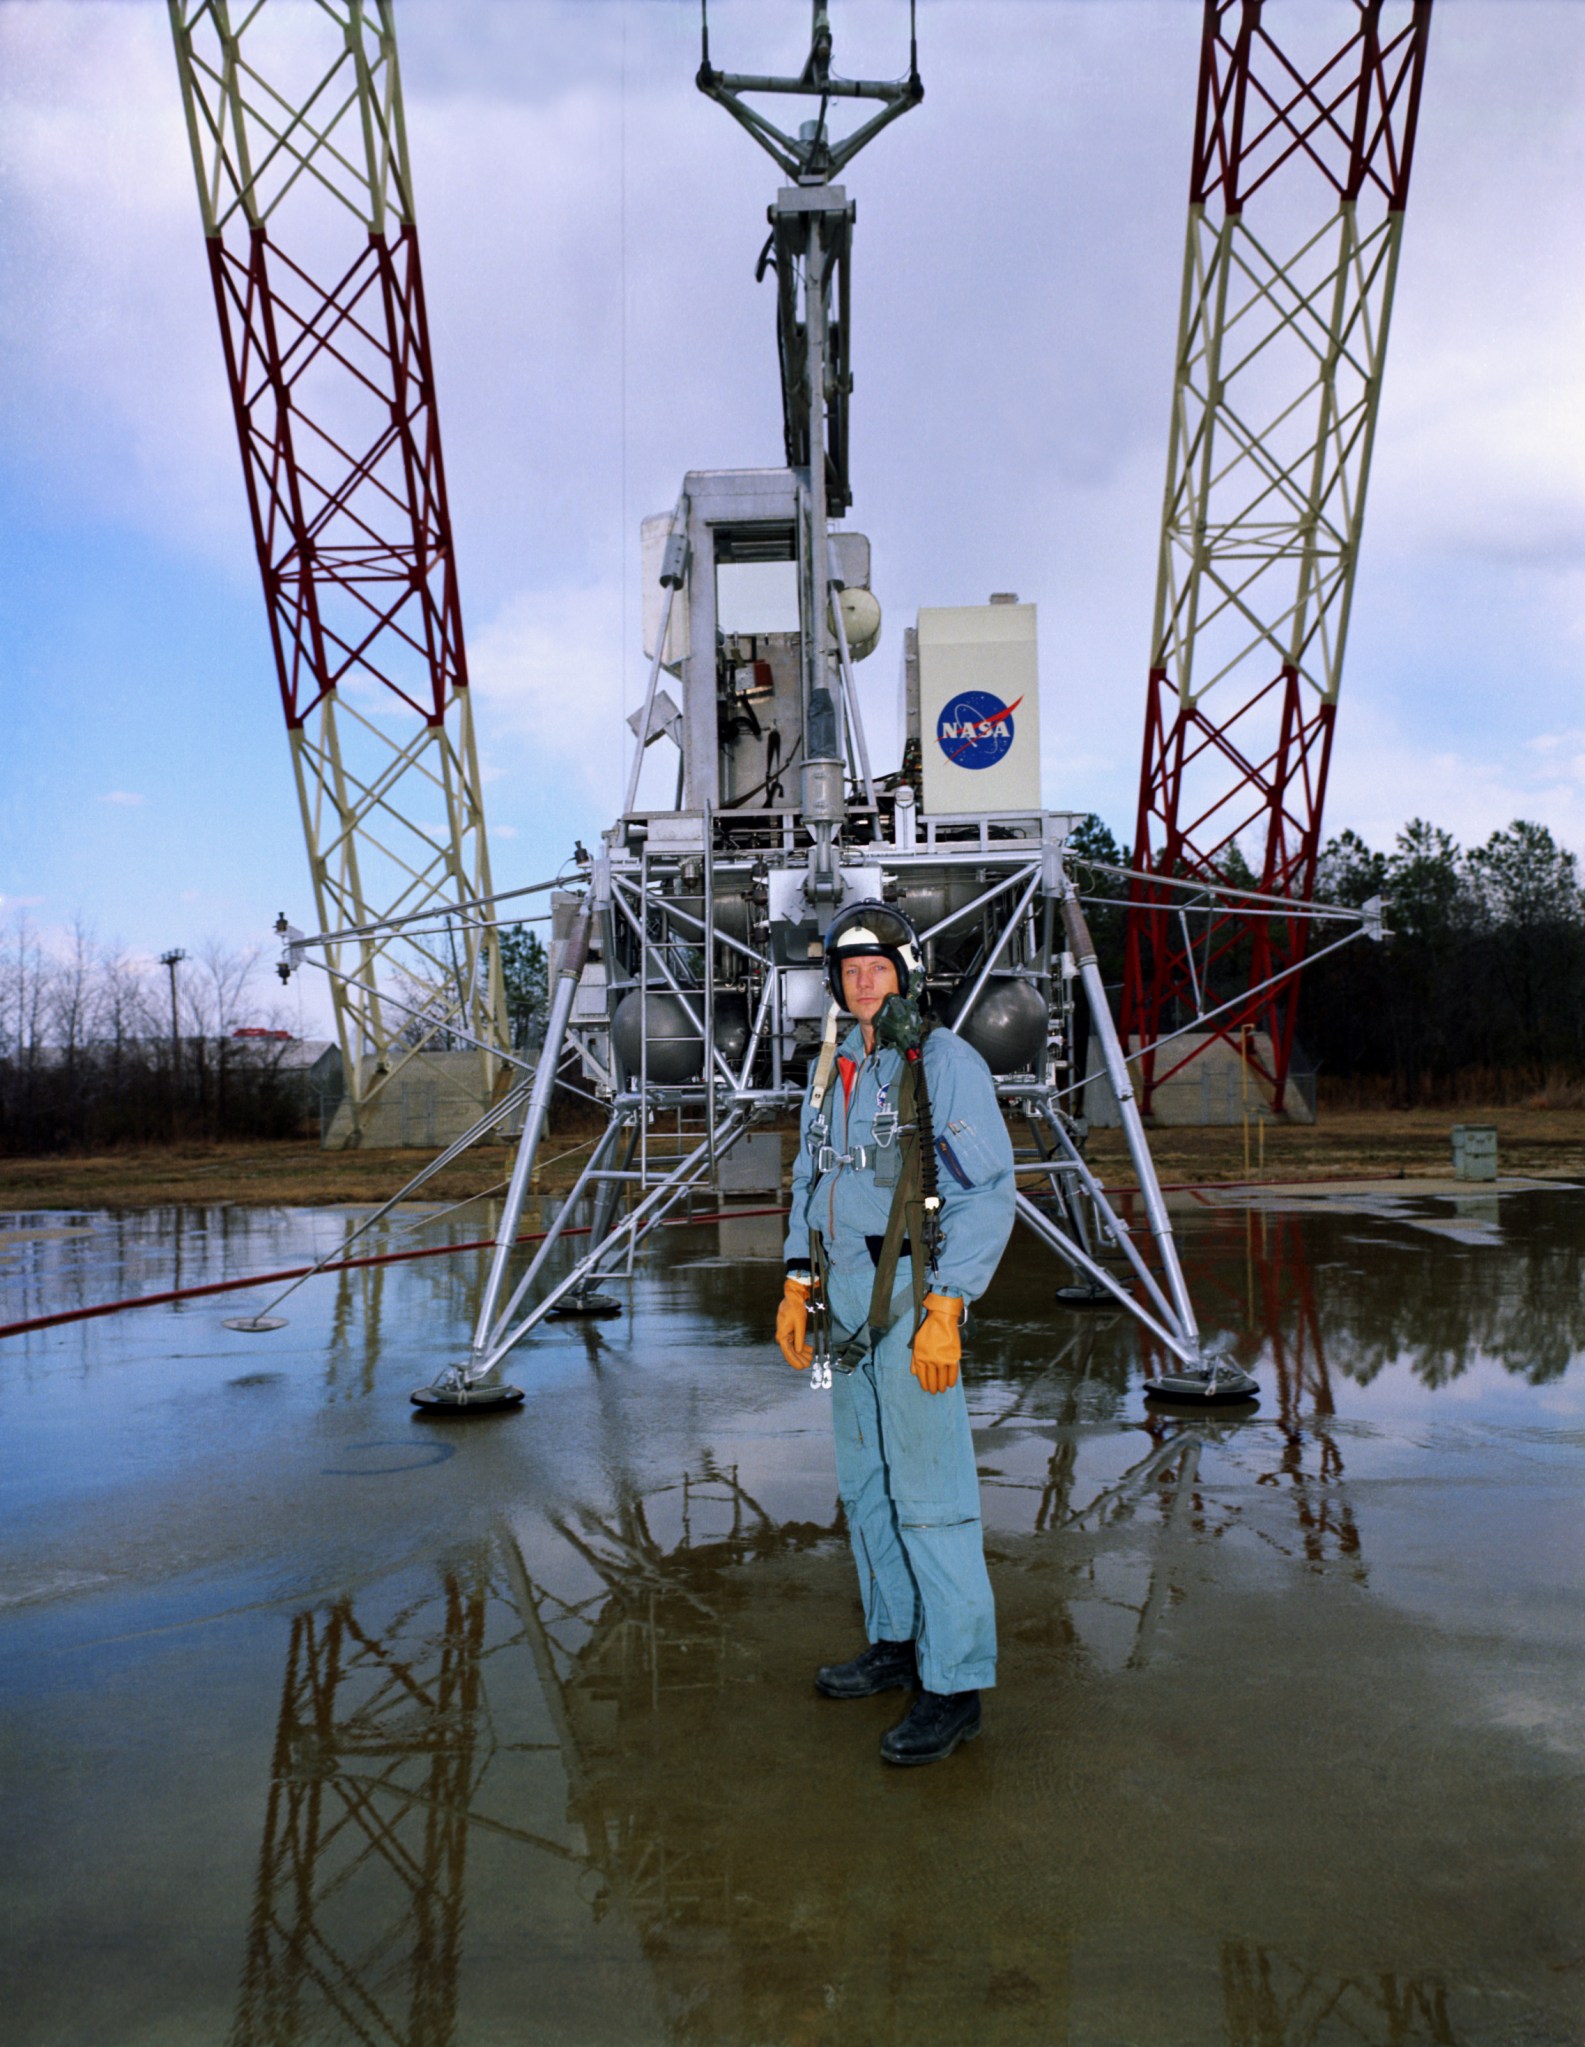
[634, 1627]
[1257, 1280]
[1260, 1265]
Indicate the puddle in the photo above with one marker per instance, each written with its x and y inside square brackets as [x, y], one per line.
[325, 1722]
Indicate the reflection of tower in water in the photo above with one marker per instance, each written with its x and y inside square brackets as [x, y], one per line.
[649, 1625]
[383, 1746]
[1280, 1292]
[389, 1757]
[1253, 1275]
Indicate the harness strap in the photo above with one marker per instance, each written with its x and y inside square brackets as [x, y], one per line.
[904, 1232]
[905, 1218]
[826, 1061]
[912, 1222]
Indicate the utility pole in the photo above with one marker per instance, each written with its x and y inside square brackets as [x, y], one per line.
[171, 961]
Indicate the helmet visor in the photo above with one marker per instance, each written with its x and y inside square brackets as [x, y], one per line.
[869, 927]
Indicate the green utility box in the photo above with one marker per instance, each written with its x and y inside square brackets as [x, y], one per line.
[1474, 1151]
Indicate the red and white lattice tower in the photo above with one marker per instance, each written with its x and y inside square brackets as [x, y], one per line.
[1296, 202]
[295, 116]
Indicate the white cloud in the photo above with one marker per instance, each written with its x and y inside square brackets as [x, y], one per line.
[115, 391]
[1385, 774]
[547, 675]
[1482, 443]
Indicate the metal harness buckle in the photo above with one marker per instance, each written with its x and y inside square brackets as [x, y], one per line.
[884, 1127]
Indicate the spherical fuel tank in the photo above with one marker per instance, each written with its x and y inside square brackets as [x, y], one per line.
[1007, 1026]
[676, 1051]
[731, 1026]
[861, 621]
[675, 1055]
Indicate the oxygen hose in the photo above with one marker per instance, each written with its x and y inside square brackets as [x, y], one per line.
[927, 1156]
[900, 1024]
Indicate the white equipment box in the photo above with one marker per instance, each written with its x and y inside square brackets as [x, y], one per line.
[979, 709]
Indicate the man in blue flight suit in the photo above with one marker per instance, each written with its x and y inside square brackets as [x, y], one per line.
[904, 1452]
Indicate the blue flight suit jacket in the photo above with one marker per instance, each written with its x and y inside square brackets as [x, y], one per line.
[974, 1166]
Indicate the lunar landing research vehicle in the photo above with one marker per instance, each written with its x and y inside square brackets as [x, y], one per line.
[688, 991]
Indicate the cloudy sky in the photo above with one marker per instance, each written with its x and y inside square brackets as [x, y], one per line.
[590, 226]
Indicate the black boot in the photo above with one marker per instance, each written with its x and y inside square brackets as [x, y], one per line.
[882, 1668]
[933, 1727]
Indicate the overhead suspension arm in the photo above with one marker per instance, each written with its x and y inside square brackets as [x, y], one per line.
[811, 157]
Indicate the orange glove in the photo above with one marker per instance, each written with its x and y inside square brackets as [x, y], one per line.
[938, 1346]
[792, 1325]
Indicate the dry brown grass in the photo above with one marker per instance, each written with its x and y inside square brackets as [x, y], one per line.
[1370, 1143]
[265, 1175]
[1539, 1139]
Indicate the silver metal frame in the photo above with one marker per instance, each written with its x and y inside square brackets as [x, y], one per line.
[630, 911]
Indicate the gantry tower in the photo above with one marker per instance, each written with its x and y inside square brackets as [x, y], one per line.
[297, 130]
[1296, 202]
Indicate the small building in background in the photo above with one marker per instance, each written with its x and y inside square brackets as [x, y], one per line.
[309, 1067]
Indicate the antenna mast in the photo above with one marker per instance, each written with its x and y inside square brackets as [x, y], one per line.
[810, 247]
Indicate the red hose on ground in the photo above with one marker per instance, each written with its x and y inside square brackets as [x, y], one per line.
[231, 1286]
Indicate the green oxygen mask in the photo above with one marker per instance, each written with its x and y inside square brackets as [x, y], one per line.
[900, 1025]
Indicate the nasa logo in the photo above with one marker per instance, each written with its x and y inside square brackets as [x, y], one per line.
[975, 729]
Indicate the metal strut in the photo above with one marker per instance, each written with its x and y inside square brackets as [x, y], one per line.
[477, 1383]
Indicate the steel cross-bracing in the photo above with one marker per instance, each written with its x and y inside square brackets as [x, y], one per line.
[295, 118]
[1300, 177]
[1005, 905]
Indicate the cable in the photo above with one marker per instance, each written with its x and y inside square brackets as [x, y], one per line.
[231, 1286]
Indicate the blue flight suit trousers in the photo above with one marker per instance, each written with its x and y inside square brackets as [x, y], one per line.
[905, 1470]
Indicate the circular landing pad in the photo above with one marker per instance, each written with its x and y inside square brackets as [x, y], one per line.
[603, 1305]
[1212, 1414]
[445, 1398]
[1084, 1297]
[1205, 1386]
[254, 1324]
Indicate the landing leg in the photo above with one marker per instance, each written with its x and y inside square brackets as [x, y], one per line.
[586, 1298]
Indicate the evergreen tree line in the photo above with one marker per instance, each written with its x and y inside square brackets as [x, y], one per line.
[1476, 994]
[1479, 993]
[525, 975]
